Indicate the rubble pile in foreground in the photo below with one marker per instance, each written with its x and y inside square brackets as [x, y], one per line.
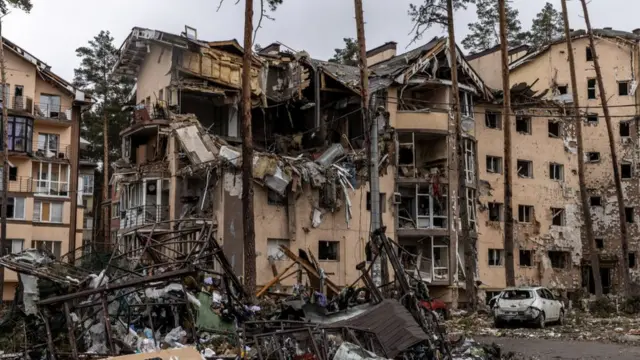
[109, 304]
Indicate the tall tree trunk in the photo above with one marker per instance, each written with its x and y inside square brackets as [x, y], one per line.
[106, 233]
[5, 158]
[586, 210]
[624, 235]
[465, 236]
[510, 271]
[247, 158]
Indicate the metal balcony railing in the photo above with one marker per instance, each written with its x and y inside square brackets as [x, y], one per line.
[50, 187]
[52, 111]
[143, 215]
[20, 103]
[20, 185]
[51, 150]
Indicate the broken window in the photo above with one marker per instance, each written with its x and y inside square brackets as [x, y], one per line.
[554, 128]
[526, 257]
[625, 129]
[589, 53]
[592, 119]
[471, 208]
[623, 88]
[599, 243]
[593, 157]
[525, 213]
[496, 257]
[563, 89]
[632, 260]
[466, 104]
[523, 124]
[383, 205]
[628, 214]
[525, 168]
[494, 164]
[591, 88]
[558, 259]
[421, 208]
[495, 212]
[557, 217]
[441, 262]
[470, 161]
[273, 248]
[493, 120]
[595, 201]
[626, 171]
[556, 171]
[275, 199]
[328, 250]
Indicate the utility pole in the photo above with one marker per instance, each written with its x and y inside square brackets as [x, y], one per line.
[624, 235]
[510, 271]
[247, 158]
[586, 212]
[379, 276]
[5, 158]
[464, 237]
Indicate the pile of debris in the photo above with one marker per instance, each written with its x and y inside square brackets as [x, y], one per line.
[578, 326]
[166, 296]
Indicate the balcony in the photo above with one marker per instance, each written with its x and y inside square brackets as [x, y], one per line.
[427, 259]
[52, 112]
[48, 149]
[418, 117]
[19, 184]
[51, 188]
[20, 103]
[143, 215]
[51, 179]
[422, 157]
[423, 210]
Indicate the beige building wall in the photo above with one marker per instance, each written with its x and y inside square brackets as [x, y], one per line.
[617, 60]
[272, 222]
[541, 192]
[381, 56]
[155, 73]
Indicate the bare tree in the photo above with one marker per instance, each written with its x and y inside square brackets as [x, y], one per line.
[624, 235]
[510, 271]
[586, 212]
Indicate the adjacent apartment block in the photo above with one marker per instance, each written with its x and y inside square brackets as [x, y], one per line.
[546, 164]
[43, 133]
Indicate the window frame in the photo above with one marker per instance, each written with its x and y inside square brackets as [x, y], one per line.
[558, 212]
[556, 171]
[38, 204]
[628, 87]
[492, 259]
[525, 215]
[36, 244]
[530, 252]
[592, 92]
[332, 243]
[529, 164]
[497, 120]
[556, 122]
[490, 159]
[527, 121]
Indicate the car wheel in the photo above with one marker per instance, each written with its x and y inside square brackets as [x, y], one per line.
[561, 318]
[541, 320]
[497, 323]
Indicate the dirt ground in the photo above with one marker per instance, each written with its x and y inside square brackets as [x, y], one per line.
[543, 349]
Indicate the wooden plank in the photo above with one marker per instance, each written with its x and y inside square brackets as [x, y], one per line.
[274, 280]
[310, 270]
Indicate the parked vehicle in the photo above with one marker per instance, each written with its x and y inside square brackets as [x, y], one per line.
[535, 305]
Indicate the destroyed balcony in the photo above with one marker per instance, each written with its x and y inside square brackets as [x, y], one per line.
[425, 119]
[422, 210]
[426, 258]
[143, 215]
[422, 158]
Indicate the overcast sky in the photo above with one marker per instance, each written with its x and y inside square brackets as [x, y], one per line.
[55, 28]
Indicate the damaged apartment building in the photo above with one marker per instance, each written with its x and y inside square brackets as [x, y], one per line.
[182, 160]
[427, 224]
[539, 194]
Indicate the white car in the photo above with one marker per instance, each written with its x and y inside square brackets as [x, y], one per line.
[535, 305]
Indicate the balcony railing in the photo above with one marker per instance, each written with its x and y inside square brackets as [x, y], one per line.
[20, 103]
[20, 185]
[45, 149]
[143, 215]
[50, 111]
[51, 188]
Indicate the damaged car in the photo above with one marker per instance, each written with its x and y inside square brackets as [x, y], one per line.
[531, 305]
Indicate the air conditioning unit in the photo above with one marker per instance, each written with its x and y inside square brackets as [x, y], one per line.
[397, 198]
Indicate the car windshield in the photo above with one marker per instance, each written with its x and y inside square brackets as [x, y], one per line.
[517, 295]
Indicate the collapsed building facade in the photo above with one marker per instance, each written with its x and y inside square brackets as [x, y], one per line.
[310, 162]
[547, 71]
